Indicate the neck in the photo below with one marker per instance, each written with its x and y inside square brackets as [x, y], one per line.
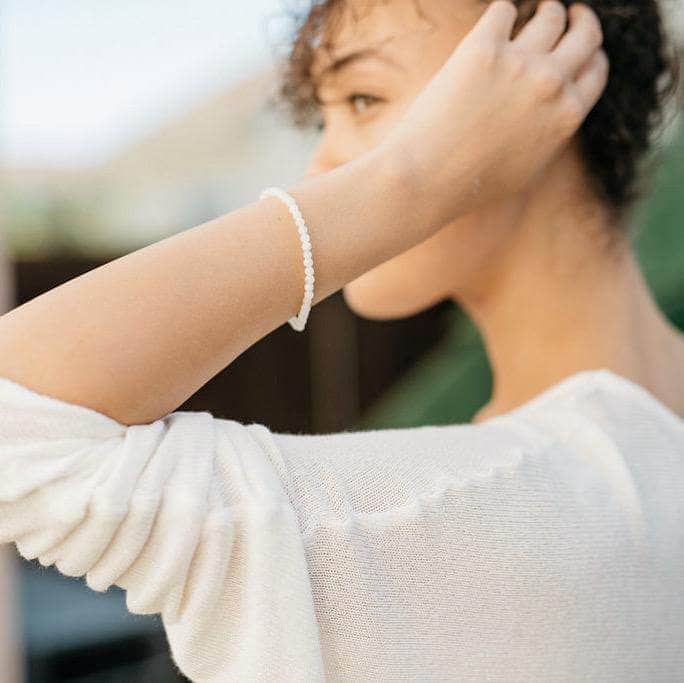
[561, 300]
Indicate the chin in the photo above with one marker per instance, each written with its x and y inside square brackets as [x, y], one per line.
[376, 304]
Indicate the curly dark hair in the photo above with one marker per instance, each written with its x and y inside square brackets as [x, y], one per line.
[615, 136]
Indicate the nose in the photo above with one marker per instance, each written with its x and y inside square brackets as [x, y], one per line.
[320, 162]
[314, 169]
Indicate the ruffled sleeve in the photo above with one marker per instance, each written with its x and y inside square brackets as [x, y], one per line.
[188, 514]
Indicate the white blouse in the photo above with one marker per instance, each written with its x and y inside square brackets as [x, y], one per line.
[546, 544]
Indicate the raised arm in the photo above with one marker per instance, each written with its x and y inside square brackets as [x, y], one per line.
[136, 337]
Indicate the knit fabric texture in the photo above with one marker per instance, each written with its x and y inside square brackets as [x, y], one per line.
[543, 544]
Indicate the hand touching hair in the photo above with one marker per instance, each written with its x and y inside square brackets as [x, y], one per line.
[618, 132]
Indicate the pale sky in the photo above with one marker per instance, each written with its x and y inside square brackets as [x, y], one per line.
[81, 78]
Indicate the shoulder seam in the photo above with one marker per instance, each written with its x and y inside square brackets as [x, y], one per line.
[385, 517]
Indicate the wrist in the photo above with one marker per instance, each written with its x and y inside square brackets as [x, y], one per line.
[422, 194]
[396, 181]
[361, 214]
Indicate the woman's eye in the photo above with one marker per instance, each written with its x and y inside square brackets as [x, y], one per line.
[360, 102]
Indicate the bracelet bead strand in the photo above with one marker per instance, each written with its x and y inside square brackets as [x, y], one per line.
[298, 322]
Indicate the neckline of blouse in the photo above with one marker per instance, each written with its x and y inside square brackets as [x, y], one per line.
[609, 379]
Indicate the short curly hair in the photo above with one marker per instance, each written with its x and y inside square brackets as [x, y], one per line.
[615, 136]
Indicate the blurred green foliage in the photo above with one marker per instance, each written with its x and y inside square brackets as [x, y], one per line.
[48, 225]
[451, 382]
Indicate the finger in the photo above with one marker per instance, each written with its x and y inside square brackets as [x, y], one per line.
[583, 37]
[544, 29]
[592, 79]
[496, 21]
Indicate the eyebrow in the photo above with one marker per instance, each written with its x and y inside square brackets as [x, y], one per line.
[341, 62]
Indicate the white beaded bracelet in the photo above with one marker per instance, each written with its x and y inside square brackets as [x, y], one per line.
[298, 322]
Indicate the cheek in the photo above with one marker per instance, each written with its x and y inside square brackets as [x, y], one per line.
[388, 114]
[374, 131]
[398, 111]
[348, 139]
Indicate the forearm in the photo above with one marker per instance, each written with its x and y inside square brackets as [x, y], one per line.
[137, 336]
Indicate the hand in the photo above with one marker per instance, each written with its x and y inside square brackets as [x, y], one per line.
[499, 110]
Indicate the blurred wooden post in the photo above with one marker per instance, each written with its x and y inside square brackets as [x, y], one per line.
[11, 653]
[333, 361]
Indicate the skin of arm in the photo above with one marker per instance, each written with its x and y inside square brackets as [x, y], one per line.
[134, 338]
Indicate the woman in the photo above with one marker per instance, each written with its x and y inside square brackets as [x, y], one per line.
[542, 542]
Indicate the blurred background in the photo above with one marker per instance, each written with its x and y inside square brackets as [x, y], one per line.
[123, 123]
